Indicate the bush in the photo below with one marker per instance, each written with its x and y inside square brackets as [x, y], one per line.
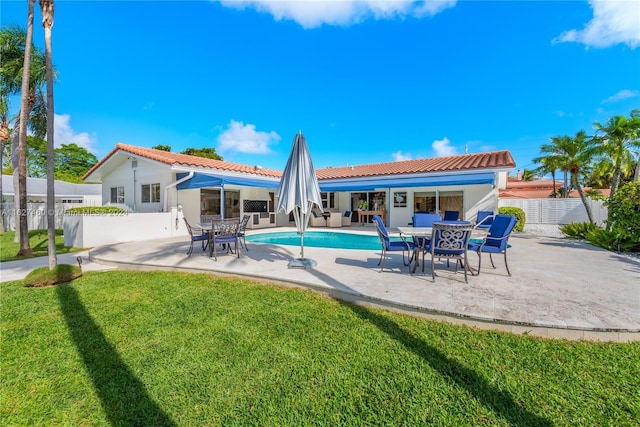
[612, 240]
[624, 215]
[579, 230]
[96, 210]
[518, 213]
[42, 276]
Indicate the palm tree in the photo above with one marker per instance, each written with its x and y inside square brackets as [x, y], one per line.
[12, 50]
[617, 141]
[46, 8]
[548, 167]
[570, 154]
[25, 248]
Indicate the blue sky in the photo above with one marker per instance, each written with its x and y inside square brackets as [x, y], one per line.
[365, 81]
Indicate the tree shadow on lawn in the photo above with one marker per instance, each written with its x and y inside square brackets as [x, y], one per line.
[500, 402]
[122, 395]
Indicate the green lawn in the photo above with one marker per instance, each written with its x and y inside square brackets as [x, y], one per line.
[38, 241]
[146, 348]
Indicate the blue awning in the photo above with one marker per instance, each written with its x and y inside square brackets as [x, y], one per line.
[200, 180]
[422, 181]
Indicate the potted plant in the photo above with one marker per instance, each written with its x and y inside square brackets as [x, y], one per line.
[363, 205]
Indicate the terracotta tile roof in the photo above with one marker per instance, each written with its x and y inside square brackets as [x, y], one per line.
[177, 159]
[496, 159]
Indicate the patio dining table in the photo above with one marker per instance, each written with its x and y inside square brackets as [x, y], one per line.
[421, 235]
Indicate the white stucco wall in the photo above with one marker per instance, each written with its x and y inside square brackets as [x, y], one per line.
[87, 231]
[132, 179]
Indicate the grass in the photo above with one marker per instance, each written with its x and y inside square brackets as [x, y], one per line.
[37, 240]
[155, 348]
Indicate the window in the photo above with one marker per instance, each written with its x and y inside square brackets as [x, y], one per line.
[438, 202]
[117, 195]
[151, 193]
[328, 200]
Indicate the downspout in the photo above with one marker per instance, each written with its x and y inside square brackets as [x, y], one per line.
[173, 184]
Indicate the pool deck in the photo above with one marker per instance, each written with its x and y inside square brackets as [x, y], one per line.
[560, 288]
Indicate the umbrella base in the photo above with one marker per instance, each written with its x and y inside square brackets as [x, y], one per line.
[302, 263]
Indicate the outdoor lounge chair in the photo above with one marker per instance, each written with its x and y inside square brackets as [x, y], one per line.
[346, 219]
[449, 241]
[389, 246]
[224, 233]
[242, 228]
[484, 219]
[496, 240]
[197, 235]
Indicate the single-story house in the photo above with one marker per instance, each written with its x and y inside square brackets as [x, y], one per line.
[67, 195]
[148, 180]
[66, 192]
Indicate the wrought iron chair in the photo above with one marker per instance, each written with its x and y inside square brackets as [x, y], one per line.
[242, 229]
[224, 232]
[421, 219]
[449, 241]
[451, 215]
[389, 245]
[197, 235]
[496, 241]
[484, 219]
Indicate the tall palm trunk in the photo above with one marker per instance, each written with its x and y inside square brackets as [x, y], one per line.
[553, 178]
[25, 248]
[4, 138]
[636, 176]
[46, 8]
[575, 183]
[15, 143]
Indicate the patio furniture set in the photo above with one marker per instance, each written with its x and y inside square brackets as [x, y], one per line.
[449, 239]
[219, 235]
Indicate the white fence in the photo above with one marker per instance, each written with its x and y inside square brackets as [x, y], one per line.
[36, 215]
[557, 211]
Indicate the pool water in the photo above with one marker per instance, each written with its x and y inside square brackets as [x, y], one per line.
[319, 239]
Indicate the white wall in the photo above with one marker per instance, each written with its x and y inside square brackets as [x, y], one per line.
[132, 179]
[87, 231]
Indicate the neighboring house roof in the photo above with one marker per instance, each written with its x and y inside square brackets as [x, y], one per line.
[38, 187]
[536, 189]
[466, 162]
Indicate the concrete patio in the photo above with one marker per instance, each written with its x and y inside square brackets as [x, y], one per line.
[560, 288]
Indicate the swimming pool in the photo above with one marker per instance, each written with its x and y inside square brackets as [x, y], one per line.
[319, 239]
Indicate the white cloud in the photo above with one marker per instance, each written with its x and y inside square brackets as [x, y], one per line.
[623, 94]
[613, 22]
[313, 13]
[443, 148]
[559, 113]
[245, 139]
[64, 134]
[399, 156]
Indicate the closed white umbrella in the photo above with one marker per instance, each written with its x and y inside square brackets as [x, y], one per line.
[298, 192]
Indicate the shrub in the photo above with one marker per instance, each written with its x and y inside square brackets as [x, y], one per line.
[578, 230]
[518, 213]
[96, 210]
[624, 215]
[44, 277]
[612, 240]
